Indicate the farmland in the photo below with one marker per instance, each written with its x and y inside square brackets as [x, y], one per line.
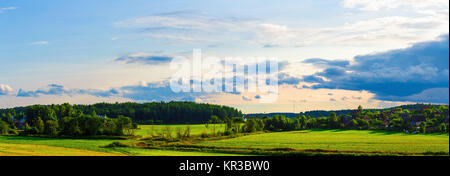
[36, 146]
[146, 130]
[342, 141]
[325, 141]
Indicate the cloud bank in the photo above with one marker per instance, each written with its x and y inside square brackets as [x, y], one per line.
[419, 73]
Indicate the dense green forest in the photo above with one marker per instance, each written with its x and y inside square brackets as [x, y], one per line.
[418, 118]
[105, 118]
[322, 113]
[143, 113]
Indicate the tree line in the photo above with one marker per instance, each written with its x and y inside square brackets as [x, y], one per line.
[162, 112]
[63, 120]
[434, 121]
[105, 118]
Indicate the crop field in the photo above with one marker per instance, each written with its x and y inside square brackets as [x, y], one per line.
[36, 146]
[337, 141]
[82, 144]
[43, 150]
[342, 141]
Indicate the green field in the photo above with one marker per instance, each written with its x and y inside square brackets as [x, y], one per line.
[339, 141]
[36, 146]
[145, 130]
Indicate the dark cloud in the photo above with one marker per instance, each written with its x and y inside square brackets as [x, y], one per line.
[411, 74]
[52, 89]
[55, 89]
[313, 79]
[158, 92]
[284, 78]
[144, 59]
[326, 63]
[332, 72]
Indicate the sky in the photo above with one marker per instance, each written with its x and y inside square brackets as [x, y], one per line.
[335, 54]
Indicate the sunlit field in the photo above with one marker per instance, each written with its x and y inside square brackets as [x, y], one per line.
[43, 150]
[335, 141]
[146, 130]
[342, 140]
[36, 146]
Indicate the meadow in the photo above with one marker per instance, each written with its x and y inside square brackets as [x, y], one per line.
[320, 141]
[146, 130]
[37, 146]
[348, 141]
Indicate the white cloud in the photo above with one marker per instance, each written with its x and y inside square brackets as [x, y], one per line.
[291, 98]
[370, 5]
[40, 43]
[177, 37]
[5, 89]
[397, 31]
[7, 8]
[13, 101]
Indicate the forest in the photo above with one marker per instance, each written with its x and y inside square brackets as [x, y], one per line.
[115, 119]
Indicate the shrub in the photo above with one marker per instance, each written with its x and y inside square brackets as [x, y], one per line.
[227, 133]
[115, 144]
[135, 125]
[4, 127]
[13, 132]
[204, 134]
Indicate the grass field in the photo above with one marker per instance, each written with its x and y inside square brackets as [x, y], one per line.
[43, 150]
[341, 140]
[36, 146]
[145, 130]
[328, 140]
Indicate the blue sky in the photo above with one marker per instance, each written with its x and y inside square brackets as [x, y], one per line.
[381, 53]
